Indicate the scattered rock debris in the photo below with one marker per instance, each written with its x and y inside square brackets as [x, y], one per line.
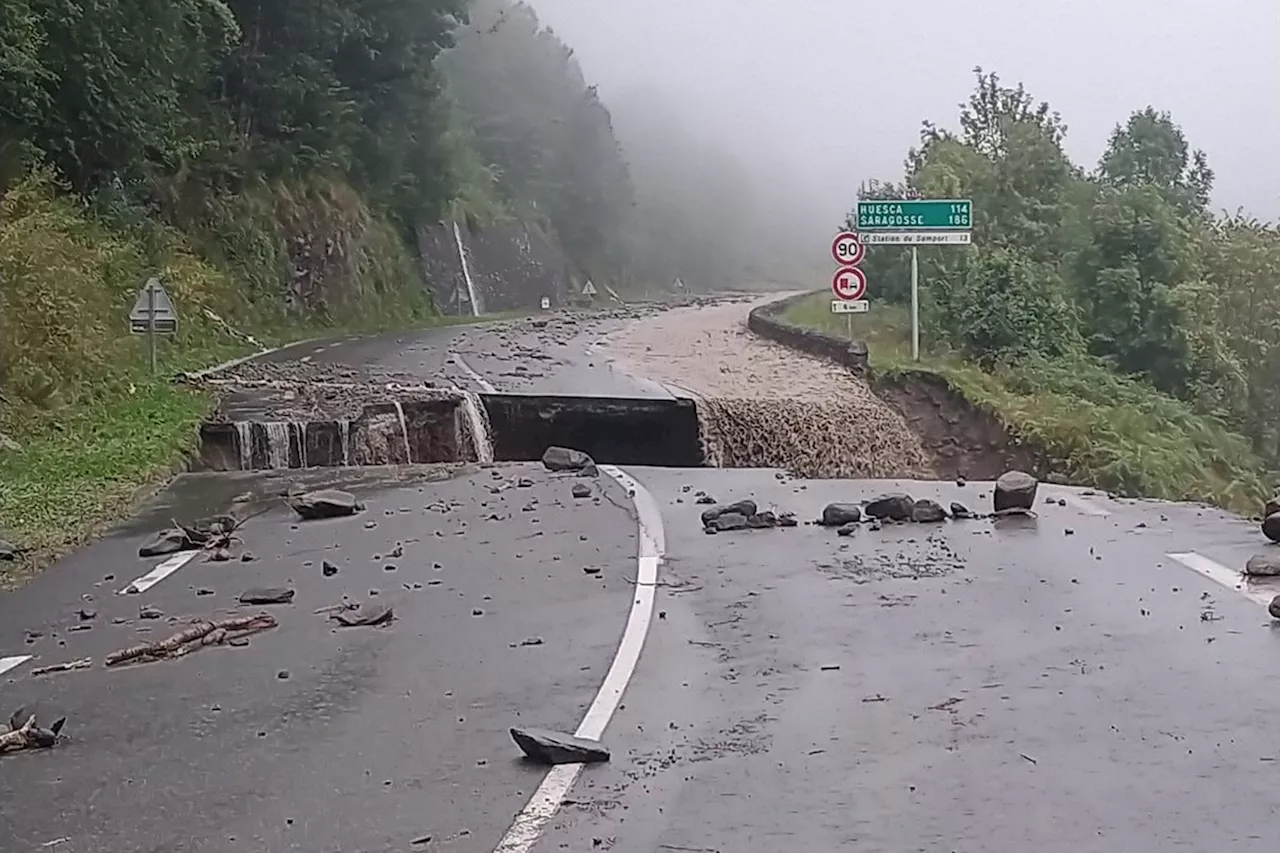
[69, 666]
[352, 615]
[325, 503]
[202, 632]
[547, 747]
[10, 551]
[24, 733]
[267, 595]
[581, 491]
[566, 459]
[743, 515]
[1263, 566]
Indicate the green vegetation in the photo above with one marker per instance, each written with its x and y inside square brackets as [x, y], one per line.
[1105, 429]
[1108, 316]
[272, 163]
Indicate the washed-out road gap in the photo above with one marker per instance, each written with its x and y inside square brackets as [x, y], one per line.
[980, 684]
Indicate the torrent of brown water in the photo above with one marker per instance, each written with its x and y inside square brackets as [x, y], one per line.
[809, 439]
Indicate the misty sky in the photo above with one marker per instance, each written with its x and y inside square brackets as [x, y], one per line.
[830, 92]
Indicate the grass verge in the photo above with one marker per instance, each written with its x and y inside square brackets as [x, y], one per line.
[1103, 429]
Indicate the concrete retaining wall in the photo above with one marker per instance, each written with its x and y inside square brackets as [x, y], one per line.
[767, 322]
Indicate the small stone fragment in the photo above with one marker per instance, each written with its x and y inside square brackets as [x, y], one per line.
[848, 529]
[10, 551]
[959, 510]
[839, 514]
[366, 615]
[1015, 490]
[267, 595]
[328, 569]
[580, 490]
[147, 611]
[927, 511]
[787, 519]
[166, 542]
[1263, 566]
[704, 499]
[591, 570]
[547, 747]
[87, 614]
[895, 507]
[1271, 527]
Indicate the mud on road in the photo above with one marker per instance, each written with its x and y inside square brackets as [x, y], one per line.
[763, 405]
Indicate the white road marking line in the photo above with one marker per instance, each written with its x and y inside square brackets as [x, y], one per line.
[485, 384]
[542, 806]
[160, 572]
[1220, 574]
[13, 662]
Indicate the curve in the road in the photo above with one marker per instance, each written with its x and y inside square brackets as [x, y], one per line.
[533, 818]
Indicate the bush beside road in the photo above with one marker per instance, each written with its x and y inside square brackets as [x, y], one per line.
[1102, 429]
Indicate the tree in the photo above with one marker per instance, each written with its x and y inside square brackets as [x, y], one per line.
[1150, 149]
[1140, 254]
[542, 129]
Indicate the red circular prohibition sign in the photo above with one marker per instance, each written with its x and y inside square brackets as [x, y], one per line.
[849, 284]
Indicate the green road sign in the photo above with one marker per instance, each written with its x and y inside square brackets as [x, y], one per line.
[940, 214]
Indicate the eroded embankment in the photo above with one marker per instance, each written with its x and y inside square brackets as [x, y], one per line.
[957, 438]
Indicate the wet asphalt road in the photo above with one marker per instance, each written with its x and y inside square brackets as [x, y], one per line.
[558, 354]
[971, 686]
[315, 737]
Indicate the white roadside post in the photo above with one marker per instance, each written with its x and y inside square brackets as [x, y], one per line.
[915, 222]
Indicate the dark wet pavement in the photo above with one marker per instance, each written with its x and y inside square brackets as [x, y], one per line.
[558, 354]
[315, 737]
[971, 686]
[1057, 684]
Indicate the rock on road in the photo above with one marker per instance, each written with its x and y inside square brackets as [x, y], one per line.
[1089, 679]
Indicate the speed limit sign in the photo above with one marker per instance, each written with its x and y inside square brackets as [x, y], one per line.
[847, 249]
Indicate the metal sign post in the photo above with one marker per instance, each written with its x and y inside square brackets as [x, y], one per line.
[916, 222]
[153, 315]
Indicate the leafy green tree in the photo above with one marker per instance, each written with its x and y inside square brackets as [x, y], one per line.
[1140, 254]
[542, 129]
[1151, 150]
[1007, 306]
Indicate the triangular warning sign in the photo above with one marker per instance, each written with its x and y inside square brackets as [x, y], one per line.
[588, 289]
[146, 304]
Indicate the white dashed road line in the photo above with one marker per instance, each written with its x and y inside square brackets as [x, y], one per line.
[9, 663]
[485, 384]
[532, 819]
[1220, 574]
[159, 573]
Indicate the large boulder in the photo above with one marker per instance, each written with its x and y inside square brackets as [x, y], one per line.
[745, 508]
[325, 503]
[894, 507]
[1271, 507]
[568, 459]
[1015, 490]
[1263, 566]
[548, 747]
[927, 511]
[1271, 527]
[840, 514]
